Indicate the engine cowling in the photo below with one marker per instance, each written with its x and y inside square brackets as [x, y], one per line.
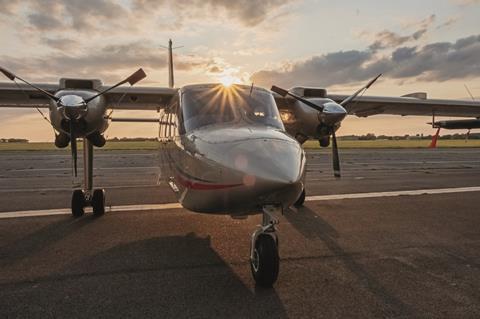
[304, 122]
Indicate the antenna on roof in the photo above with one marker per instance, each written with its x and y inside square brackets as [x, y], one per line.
[171, 80]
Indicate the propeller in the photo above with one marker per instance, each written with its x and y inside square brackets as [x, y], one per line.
[74, 107]
[327, 108]
[335, 157]
[361, 90]
[132, 79]
[284, 93]
[73, 146]
[13, 76]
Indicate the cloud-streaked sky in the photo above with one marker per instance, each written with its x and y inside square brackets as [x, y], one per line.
[431, 46]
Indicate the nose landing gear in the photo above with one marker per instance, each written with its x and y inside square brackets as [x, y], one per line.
[264, 258]
[301, 200]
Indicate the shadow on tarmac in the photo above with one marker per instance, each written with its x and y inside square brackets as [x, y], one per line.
[312, 225]
[162, 277]
[41, 239]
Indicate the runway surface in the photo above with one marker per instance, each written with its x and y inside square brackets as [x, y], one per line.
[382, 256]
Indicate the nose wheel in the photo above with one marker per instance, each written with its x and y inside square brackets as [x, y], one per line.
[264, 258]
[81, 199]
[301, 200]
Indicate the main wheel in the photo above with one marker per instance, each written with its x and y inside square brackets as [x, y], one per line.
[324, 141]
[265, 263]
[301, 200]
[78, 203]
[98, 202]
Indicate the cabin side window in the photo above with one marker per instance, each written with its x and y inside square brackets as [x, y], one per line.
[179, 112]
[163, 126]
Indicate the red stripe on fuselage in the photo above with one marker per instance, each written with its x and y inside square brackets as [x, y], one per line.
[201, 186]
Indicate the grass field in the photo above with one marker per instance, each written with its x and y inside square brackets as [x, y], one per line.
[150, 145]
[400, 144]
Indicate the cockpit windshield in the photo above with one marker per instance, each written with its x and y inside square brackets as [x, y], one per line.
[202, 106]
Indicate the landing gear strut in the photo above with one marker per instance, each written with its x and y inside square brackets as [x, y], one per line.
[82, 198]
[264, 259]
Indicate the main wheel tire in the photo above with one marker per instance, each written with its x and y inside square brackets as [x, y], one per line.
[78, 203]
[98, 202]
[324, 141]
[266, 262]
[301, 200]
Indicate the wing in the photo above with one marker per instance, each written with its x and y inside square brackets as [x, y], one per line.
[139, 98]
[22, 95]
[414, 104]
[124, 98]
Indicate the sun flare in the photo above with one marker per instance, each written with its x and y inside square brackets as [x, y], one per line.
[228, 80]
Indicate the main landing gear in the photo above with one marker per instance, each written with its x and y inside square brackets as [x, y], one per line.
[82, 198]
[264, 259]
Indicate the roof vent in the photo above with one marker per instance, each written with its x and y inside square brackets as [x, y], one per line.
[309, 92]
[84, 84]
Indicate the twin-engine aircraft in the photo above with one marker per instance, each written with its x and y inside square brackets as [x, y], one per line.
[225, 150]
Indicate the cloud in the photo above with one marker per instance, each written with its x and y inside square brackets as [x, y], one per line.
[388, 39]
[466, 2]
[62, 44]
[87, 15]
[249, 13]
[108, 63]
[450, 21]
[440, 61]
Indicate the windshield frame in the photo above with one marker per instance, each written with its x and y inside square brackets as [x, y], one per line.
[237, 113]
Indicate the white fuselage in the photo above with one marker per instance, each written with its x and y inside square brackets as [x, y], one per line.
[232, 167]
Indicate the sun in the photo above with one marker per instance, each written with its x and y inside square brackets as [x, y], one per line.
[228, 80]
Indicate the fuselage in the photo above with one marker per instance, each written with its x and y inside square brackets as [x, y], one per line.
[225, 150]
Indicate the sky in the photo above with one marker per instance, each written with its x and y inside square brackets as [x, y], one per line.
[431, 46]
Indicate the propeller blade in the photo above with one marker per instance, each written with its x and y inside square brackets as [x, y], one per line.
[132, 79]
[12, 77]
[335, 157]
[73, 141]
[8, 74]
[284, 93]
[136, 77]
[364, 88]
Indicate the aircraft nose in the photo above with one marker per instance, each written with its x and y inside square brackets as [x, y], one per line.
[271, 169]
[270, 160]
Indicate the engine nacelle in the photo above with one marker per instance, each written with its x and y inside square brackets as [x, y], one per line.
[304, 122]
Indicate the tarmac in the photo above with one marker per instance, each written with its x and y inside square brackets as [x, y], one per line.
[401, 240]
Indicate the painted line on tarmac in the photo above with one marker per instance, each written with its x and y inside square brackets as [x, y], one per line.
[67, 211]
[394, 193]
[128, 208]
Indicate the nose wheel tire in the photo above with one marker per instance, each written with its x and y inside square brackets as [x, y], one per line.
[78, 203]
[265, 262]
[98, 202]
[301, 200]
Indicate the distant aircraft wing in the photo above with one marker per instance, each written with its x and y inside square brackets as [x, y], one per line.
[409, 105]
[122, 98]
[21, 95]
